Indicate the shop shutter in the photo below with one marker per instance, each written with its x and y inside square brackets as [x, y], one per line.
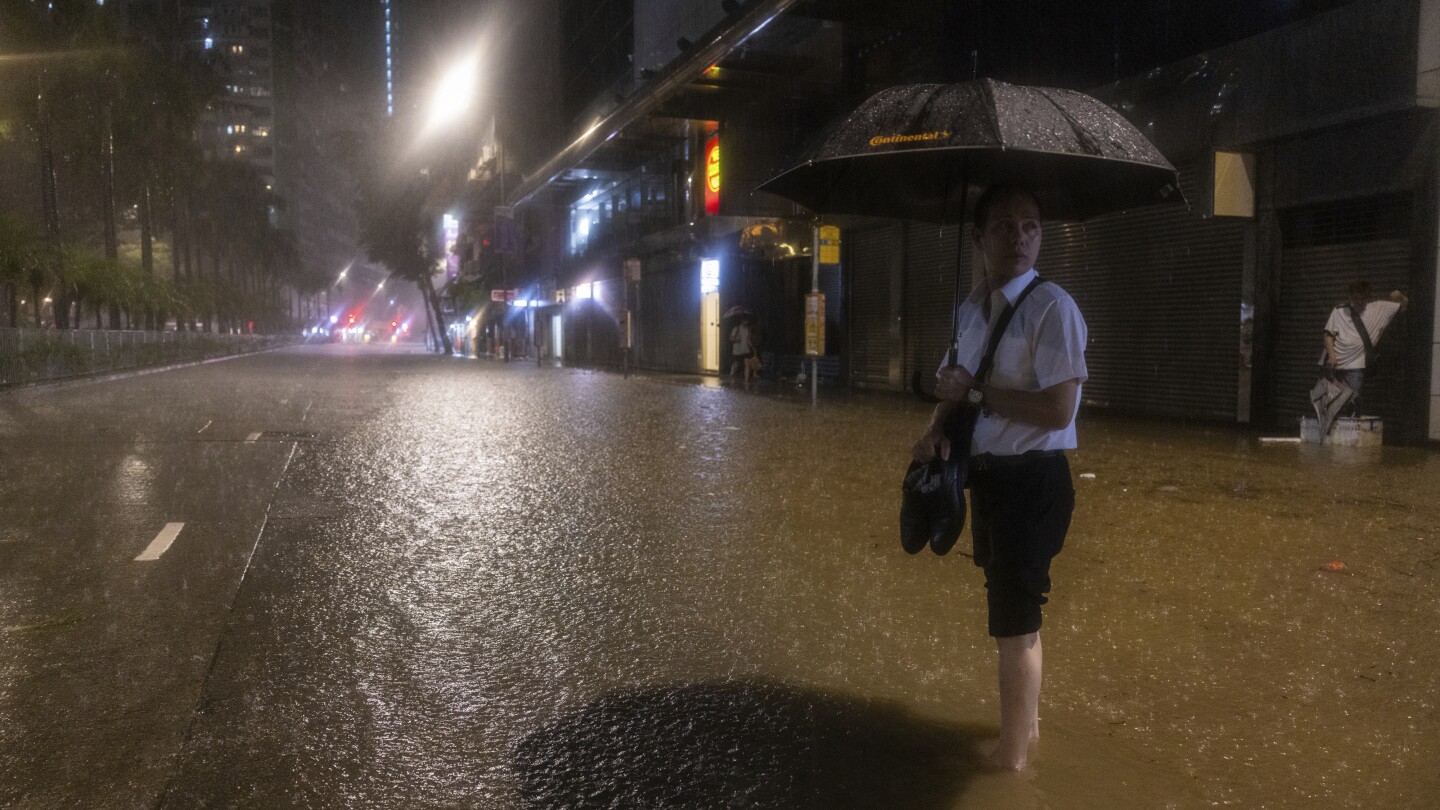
[1160, 290]
[874, 258]
[832, 285]
[930, 254]
[1325, 247]
[668, 323]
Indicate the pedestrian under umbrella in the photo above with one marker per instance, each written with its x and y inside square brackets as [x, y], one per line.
[1007, 409]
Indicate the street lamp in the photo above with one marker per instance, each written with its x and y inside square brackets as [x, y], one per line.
[455, 92]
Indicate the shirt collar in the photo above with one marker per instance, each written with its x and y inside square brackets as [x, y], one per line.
[1017, 285]
[1011, 290]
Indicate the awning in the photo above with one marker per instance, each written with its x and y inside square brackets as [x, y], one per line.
[719, 41]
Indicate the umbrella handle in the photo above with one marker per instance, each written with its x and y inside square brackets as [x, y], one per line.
[959, 252]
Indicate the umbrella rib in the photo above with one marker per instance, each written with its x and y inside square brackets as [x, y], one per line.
[1087, 141]
[988, 89]
[920, 102]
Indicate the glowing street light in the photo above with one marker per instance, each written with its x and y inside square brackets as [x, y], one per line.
[455, 92]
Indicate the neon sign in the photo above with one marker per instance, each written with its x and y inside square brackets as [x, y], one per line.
[712, 175]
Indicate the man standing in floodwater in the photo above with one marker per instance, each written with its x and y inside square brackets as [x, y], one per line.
[1022, 495]
[1346, 354]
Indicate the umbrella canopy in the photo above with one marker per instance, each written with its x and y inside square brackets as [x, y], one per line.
[910, 152]
[738, 309]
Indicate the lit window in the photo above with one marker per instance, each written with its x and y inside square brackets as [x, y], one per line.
[209, 43]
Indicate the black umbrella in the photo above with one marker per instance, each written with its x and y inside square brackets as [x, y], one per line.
[912, 152]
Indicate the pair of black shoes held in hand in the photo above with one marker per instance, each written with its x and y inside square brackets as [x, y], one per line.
[932, 505]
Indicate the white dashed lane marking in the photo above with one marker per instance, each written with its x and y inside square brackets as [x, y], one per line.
[161, 543]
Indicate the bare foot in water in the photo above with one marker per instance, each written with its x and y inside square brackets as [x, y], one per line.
[1012, 758]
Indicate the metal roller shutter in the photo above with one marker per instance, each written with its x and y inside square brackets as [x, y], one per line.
[1325, 247]
[1160, 290]
[669, 331]
[832, 285]
[930, 253]
[874, 255]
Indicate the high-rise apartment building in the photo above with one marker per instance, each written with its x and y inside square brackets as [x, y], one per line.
[238, 36]
[301, 82]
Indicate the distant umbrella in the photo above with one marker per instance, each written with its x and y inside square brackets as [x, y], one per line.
[738, 309]
[912, 151]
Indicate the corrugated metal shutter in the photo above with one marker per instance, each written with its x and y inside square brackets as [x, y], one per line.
[668, 332]
[1160, 290]
[930, 254]
[833, 286]
[874, 254]
[1325, 247]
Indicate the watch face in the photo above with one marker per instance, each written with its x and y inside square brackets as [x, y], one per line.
[975, 396]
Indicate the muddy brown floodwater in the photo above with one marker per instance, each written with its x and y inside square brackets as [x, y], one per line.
[584, 591]
[1201, 650]
[497, 586]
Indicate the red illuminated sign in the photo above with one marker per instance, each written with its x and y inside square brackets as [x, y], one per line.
[712, 175]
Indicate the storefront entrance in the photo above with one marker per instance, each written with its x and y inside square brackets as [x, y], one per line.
[710, 332]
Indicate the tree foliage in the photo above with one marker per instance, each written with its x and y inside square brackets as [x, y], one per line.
[395, 229]
[144, 221]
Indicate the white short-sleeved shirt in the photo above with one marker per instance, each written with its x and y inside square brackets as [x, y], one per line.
[1349, 348]
[1044, 345]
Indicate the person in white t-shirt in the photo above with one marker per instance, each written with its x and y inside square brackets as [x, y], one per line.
[1344, 348]
[1021, 492]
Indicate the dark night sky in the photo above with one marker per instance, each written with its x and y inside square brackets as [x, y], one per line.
[1062, 42]
[1085, 44]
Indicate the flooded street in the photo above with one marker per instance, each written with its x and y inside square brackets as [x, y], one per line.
[470, 584]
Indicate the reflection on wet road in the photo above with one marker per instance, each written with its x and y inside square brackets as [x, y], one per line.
[496, 586]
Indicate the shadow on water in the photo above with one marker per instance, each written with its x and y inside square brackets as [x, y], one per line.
[750, 744]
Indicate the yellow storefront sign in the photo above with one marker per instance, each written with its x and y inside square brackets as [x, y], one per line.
[829, 245]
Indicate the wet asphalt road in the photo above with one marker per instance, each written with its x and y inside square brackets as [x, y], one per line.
[404, 581]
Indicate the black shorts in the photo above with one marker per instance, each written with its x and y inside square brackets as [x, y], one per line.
[1020, 513]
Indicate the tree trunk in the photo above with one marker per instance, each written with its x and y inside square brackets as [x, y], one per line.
[427, 290]
[107, 164]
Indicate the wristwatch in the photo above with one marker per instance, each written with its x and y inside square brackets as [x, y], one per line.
[976, 396]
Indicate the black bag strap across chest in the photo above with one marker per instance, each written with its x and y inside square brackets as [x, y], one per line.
[987, 363]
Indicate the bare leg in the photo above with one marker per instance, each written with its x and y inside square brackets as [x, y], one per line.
[1020, 675]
